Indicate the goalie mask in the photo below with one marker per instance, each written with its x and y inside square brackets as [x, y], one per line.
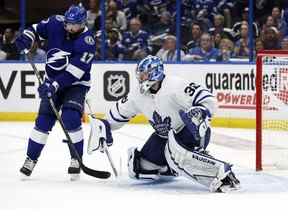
[149, 71]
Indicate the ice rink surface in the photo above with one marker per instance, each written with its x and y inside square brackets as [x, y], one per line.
[49, 190]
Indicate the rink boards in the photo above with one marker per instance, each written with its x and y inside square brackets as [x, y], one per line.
[232, 84]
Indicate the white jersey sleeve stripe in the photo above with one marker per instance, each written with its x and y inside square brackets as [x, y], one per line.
[75, 71]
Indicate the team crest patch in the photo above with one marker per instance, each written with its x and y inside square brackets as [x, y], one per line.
[57, 59]
[161, 126]
[89, 40]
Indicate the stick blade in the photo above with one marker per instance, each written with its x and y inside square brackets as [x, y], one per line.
[95, 173]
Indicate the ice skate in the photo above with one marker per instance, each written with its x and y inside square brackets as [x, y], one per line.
[74, 170]
[27, 167]
[229, 183]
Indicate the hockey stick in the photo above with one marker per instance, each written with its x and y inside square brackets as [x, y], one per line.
[86, 170]
[104, 146]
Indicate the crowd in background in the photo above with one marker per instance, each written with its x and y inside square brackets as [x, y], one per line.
[211, 30]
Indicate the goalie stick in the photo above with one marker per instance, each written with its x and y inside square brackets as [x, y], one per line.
[104, 146]
[86, 170]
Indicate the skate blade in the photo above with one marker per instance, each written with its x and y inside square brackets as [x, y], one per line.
[74, 177]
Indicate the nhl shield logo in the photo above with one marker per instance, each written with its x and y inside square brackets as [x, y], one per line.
[116, 85]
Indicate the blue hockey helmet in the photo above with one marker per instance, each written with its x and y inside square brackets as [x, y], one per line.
[76, 14]
[149, 71]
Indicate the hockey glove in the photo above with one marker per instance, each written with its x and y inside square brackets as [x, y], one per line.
[25, 40]
[196, 120]
[100, 134]
[47, 89]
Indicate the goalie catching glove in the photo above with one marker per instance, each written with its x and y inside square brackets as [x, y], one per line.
[100, 134]
[197, 120]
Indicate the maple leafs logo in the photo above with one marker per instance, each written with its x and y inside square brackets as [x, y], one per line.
[161, 127]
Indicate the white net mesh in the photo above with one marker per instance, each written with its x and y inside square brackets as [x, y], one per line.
[275, 112]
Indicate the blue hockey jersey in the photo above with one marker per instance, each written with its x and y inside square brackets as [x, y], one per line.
[68, 60]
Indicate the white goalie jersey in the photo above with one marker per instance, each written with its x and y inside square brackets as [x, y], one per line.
[162, 108]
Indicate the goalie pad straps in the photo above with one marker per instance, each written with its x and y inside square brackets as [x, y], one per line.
[200, 167]
[100, 134]
[140, 168]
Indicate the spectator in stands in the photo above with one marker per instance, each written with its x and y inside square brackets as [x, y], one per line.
[36, 53]
[93, 16]
[242, 45]
[258, 44]
[224, 7]
[219, 28]
[163, 48]
[163, 24]
[270, 39]
[7, 14]
[206, 51]
[130, 8]
[268, 23]
[279, 22]
[237, 26]
[160, 29]
[217, 39]
[8, 45]
[203, 9]
[196, 32]
[135, 39]
[284, 43]
[170, 53]
[114, 50]
[263, 8]
[114, 47]
[118, 17]
[109, 27]
[149, 12]
[226, 50]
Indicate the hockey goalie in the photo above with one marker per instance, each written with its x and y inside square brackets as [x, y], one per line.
[180, 112]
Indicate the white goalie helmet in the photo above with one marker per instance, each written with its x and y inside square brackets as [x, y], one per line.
[149, 71]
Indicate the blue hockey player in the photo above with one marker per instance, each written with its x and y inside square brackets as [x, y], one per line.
[71, 49]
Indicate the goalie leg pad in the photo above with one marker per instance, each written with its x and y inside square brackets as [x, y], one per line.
[202, 168]
[140, 168]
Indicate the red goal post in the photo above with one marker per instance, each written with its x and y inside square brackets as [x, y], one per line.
[271, 97]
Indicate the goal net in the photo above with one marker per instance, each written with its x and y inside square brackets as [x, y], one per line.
[272, 110]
